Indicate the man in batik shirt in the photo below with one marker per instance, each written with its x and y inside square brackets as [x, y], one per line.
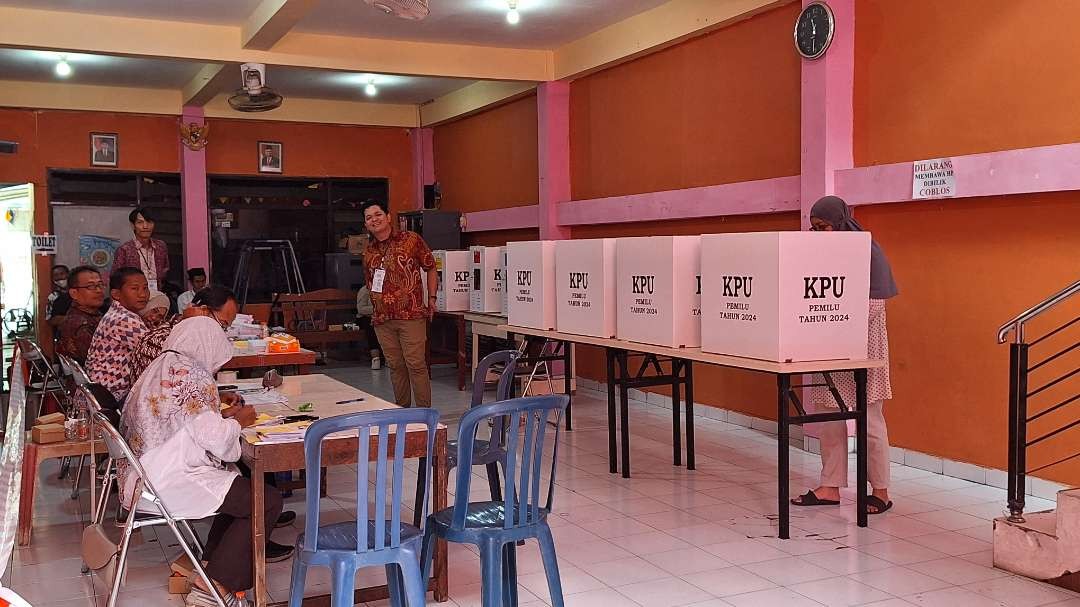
[108, 362]
[396, 261]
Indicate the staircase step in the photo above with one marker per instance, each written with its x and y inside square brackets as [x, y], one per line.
[1030, 548]
[1044, 522]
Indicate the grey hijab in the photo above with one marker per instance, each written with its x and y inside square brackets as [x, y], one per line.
[835, 212]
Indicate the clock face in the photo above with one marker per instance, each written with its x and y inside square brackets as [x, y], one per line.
[814, 30]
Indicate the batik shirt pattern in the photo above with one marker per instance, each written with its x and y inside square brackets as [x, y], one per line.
[109, 360]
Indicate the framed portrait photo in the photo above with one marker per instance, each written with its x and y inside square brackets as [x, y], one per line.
[104, 150]
[270, 157]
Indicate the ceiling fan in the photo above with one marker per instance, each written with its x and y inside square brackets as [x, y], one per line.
[413, 10]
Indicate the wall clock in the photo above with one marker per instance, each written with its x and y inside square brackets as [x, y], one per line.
[814, 30]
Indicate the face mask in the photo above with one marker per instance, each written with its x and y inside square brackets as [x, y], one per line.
[62, 283]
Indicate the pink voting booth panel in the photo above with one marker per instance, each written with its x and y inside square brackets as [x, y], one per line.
[530, 284]
[786, 296]
[455, 280]
[659, 300]
[585, 291]
[485, 296]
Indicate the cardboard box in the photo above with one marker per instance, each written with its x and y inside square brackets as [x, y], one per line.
[530, 283]
[179, 584]
[659, 290]
[585, 286]
[182, 566]
[486, 293]
[51, 418]
[454, 281]
[786, 296]
[47, 433]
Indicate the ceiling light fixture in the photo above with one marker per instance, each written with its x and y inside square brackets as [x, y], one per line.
[513, 17]
[63, 68]
[370, 89]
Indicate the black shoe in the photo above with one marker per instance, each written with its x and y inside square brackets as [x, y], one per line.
[275, 552]
[286, 519]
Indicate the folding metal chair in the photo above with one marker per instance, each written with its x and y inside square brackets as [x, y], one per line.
[147, 509]
[43, 381]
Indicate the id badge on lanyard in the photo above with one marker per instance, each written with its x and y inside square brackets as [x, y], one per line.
[377, 280]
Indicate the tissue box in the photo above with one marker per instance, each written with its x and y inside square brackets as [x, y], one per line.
[530, 283]
[487, 285]
[454, 281]
[659, 292]
[279, 343]
[47, 433]
[585, 286]
[786, 296]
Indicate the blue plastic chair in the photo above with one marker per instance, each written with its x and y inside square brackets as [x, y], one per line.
[371, 539]
[489, 453]
[496, 526]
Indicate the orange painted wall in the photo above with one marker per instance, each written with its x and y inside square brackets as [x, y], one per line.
[939, 78]
[498, 238]
[316, 150]
[53, 139]
[720, 108]
[964, 267]
[489, 160]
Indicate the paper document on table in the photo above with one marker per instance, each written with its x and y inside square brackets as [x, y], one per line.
[280, 433]
[263, 396]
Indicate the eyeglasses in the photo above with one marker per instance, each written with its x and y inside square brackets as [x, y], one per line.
[94, 286]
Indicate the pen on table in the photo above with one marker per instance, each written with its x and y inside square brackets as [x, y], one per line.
[351, 400]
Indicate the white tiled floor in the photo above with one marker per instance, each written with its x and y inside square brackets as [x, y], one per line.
[665, 538]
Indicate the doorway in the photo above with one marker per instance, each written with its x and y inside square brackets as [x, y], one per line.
[18, 292]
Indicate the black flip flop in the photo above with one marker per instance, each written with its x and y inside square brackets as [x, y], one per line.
[811, 499]
[876, 502]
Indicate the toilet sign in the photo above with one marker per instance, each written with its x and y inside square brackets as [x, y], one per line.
[44, 244]
[933, 179]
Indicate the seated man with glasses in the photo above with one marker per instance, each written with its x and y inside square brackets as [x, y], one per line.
[87, 291]
[215, 301]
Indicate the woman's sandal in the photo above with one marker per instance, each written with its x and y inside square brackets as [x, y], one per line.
[875, 505]
[811, 499]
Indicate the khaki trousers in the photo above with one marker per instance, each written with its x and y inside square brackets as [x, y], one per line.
[834, 453]
[404, 343]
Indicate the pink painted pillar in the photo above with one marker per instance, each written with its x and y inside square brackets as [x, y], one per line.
[423, 157]
[827, 92]
[196, 210]
[553, 137]
[827, 117]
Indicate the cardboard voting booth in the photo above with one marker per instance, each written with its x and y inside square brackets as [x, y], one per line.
[486, 293]
[786, 296]
[585, 279]
[503, 257]
[454, 281]
[658, 289]
[530, 283]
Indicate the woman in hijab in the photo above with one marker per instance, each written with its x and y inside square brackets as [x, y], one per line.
[173, 422]
[827, 215]
[156, 309]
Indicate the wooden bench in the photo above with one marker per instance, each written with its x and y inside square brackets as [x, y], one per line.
[309, 316]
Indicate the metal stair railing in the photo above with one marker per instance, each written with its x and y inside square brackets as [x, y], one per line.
[1020, 370]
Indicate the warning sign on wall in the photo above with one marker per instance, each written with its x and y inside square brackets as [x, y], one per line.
[933, 179]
